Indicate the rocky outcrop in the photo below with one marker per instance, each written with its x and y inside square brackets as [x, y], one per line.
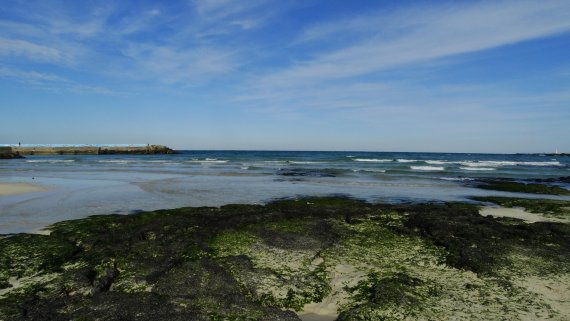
[362, 261]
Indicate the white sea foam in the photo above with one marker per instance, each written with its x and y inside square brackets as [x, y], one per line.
[488, 163]
[477, 168]
[372, 160]
[478, 164]
[408, 160]
[507, 163]
[541, 163]
[437, 162]
[208, 161]
[427, 168]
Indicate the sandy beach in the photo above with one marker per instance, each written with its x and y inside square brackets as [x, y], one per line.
[518, 213]
[20, 188]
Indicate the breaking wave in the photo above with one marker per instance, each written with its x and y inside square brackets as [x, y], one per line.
[477, 168]
[427, 168]
[373, 160]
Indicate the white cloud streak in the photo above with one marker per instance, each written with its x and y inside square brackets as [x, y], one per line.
[53, 82]
[399, 43]
[182, 49]
[222, 9]
[16, 47]
[410, 36]
[189, 67]
[132, 47]
[29, 76]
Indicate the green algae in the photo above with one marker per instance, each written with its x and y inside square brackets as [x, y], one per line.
[25, 255]
[531, 188]
[273, 261]
[387, 297]
[251, 262]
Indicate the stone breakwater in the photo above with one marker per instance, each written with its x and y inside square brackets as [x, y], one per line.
[8, 153]
[85, 150]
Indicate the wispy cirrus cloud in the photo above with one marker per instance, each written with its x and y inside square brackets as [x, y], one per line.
[29, 76]
[188, 67]
[30, 50]
[223, 9]
[383, 72]
[49, 33]
[200, 41]
[394, 39]
[175, 46]
[54, 82]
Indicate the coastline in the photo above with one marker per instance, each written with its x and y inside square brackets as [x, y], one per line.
[83, 185]
[465, 247]
[304, 259]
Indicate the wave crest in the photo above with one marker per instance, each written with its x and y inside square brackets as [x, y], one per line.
[427, 168]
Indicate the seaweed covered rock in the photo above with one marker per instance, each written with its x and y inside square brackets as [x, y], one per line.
[517, 187]
[479, 243]
[27, 255]
[393, 297]
[252, 262]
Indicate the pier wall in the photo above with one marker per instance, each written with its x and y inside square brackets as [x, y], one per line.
[91, 150]
[8, 153]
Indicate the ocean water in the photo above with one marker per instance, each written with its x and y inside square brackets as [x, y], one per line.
[83, 185]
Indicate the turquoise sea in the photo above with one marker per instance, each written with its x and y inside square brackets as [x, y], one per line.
[83, 185]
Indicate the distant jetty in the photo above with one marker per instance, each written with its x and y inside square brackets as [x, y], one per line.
[7, 153]
[19, 151]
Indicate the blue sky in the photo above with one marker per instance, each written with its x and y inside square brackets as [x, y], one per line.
[444, 76]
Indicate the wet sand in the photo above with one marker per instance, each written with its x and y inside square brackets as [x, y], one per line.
[20, 188]
[519, 213]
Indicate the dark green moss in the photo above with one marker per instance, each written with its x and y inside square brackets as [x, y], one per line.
[481, 244]
[525, 188]
[304, 284]
[198, 263]
[395, 289]
[24, 255]
[137, 262]
[379, 296]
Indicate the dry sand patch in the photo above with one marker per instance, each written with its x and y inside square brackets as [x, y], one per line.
[20, 188]
[519, 213]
